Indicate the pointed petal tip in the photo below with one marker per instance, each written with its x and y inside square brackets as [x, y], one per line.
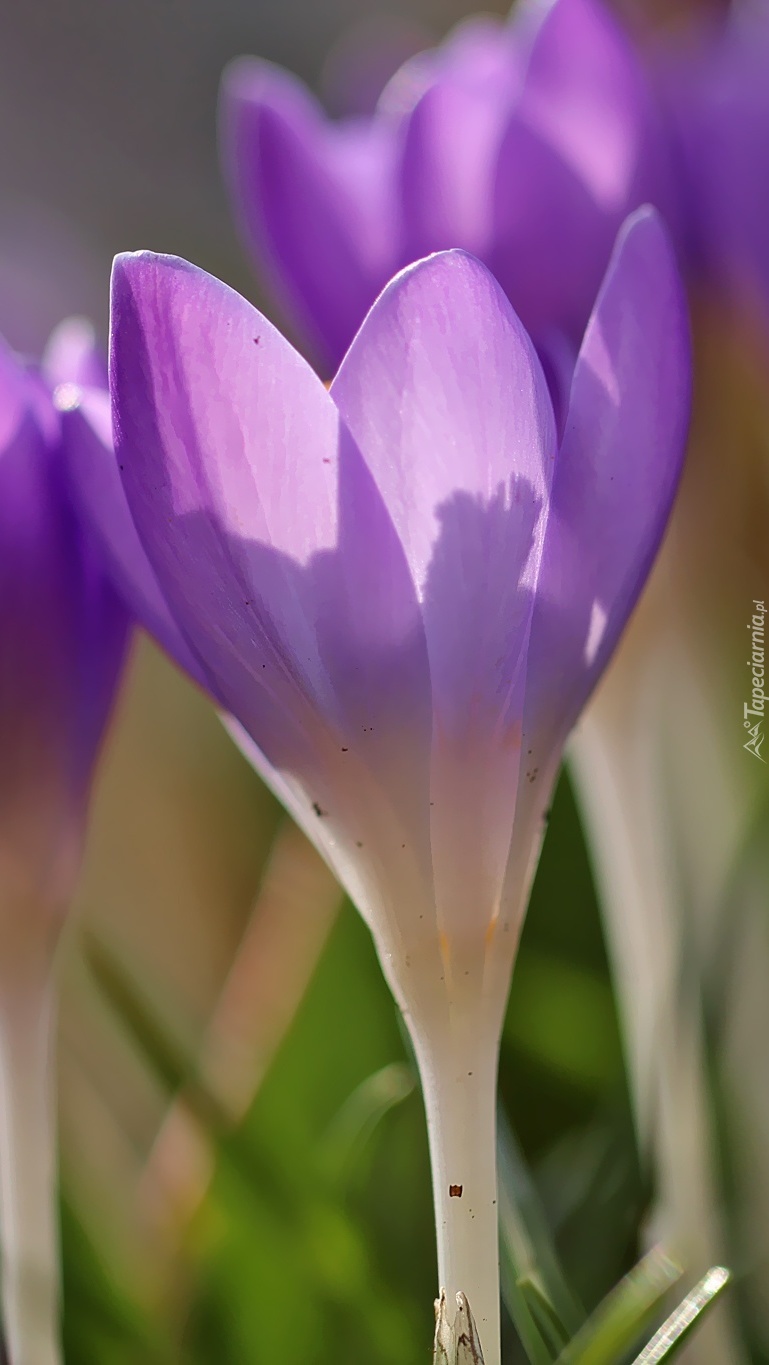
[648, 220]
[241, 73]
[439, 260]
[126, 267]
[140, 279]
[127, 264]
[648, 230]
[254, 79]
[644, 249]
[254, 93]
[455, 266]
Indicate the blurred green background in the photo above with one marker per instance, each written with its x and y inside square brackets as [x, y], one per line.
[245, 1172]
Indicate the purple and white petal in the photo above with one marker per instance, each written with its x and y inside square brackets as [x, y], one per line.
[448, 403]
[272, 545]
[97, 491]
[617, 472]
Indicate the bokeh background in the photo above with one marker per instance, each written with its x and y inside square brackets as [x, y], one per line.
[244, 1154]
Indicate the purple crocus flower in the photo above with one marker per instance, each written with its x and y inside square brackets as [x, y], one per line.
[716, 86]
[403, 590]
[62, 641]
[526, 143]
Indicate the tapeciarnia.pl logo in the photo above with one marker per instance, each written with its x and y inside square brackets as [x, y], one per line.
[753, 711]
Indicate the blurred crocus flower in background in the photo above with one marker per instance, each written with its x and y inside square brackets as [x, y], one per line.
[526, 142]
[63, 633]
[714, 86]
[678, 808]
[403, 591]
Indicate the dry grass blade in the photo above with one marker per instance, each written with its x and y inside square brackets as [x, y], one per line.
[670, 1338]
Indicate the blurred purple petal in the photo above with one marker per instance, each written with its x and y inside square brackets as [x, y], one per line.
[315, 201]
[63, 634]
[74, 356]
[526, 143]
[585, 147]
[457, 101]
[586, 96]
[716, 88]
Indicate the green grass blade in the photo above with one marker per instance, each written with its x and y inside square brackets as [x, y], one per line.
[550, 1326]
[517, 1306]
[618, 1322]
[351, 1129]
[524, 1228]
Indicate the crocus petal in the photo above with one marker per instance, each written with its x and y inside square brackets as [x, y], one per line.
[720, 109]
[98, 492]
[31, 601]
[585, 95]
[476, 52]
[446, 399]
[585, 147]
[273, 548]
[450, 140]
[289, 167]
[290, 798]
[63, 640]
[617, 472]
[548, 243]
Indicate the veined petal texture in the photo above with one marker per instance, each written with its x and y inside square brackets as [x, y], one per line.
[446, 398]
[275, 553]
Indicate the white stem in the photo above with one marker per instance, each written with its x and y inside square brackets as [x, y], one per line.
[28, 1218]
[458, 1068]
